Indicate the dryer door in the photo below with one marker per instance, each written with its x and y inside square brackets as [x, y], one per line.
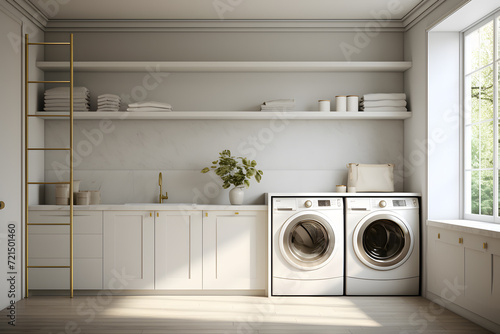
[307, 240]
[383, 241]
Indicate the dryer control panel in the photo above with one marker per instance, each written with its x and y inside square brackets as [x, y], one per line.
[365, 204]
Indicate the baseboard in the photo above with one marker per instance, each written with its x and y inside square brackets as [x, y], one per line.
[474, 317]
[149, 292]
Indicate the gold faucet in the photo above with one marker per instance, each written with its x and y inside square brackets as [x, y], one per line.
[161, 197]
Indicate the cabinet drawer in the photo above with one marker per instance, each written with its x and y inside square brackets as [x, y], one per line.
[87, 274]
[84, 222]
[57, 246]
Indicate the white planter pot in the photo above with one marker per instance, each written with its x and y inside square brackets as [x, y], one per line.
[236, 195]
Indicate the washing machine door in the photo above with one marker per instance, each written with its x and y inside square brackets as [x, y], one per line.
[383, 241]
[307, 240]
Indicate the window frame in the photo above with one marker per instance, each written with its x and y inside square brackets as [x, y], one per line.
[465, 195]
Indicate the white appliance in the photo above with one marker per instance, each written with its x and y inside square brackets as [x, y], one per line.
[307, 246]
[382, 246]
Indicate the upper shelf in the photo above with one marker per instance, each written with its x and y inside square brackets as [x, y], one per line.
[234, 115]
[227, 66]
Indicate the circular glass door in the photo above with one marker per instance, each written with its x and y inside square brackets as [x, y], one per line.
[307, 241]
[383, 242]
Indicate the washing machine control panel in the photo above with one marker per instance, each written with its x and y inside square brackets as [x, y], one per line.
[294, 204]
[398, 203]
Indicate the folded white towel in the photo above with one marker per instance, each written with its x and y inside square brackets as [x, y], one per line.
[280, 102]
[276, 107]
[384, 103]
[384, 96]
[57, 109]
[385, 109]
[62, 103]
[64, 91]
[66, 96]
[146, 109]
[152, 104]
[107, 109]
[108, 101]
[108, 96]
[76, 106]
[108, 105]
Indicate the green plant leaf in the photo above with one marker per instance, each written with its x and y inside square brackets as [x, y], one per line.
[214, 162]
[247, 183]
[260, 172]
[254, 163]
[205, 170]
[258, 177]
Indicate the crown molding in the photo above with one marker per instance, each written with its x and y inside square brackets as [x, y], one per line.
[221, 25]
[23, 9]
[419, 12]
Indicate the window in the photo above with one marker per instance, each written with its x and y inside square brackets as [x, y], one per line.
[481, 125]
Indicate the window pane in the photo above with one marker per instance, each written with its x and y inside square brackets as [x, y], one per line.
[475, 146]
[487, 192]
[485, 93]
[486, 38]
[474, 192]
[471, 56]
[487, 141]
[475, 96]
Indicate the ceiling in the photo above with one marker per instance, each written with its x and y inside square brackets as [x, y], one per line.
[225, 9]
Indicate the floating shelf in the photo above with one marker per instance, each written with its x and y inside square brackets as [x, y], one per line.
[227, 66]
[233, 115]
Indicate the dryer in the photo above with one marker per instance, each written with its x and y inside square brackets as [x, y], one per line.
[307, 246]
[382, 246]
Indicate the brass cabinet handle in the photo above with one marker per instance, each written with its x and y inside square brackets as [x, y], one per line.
[2, 205]
[157, 214]
[439, 235]
[150, 214]
[460, 240]
[485, 245]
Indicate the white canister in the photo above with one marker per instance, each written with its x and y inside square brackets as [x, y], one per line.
[341, 188]
[324, 105]
[95, 197]
[83, 198]
[341, 103]
[352, 103]
[351, 189]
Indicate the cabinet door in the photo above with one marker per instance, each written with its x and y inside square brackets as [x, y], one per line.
[128, 250]
[446, 265]
[178, 250]
[234, 249]
[49, 245]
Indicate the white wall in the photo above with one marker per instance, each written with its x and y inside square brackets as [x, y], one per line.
[301, 156]
[416, 129]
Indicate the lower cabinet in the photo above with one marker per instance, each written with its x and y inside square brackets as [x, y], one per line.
[464, 269]
[234, 249]
[178, 250]
[49, 246]
[128, 250]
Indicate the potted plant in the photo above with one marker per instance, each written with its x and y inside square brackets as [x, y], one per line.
[236, 171]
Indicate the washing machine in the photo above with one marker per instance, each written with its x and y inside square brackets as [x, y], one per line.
[382, 246]
[307, 246]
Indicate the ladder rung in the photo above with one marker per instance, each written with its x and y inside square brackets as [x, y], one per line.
[48, 149]
[49, 266]
[51, 43]
[49, 182]
[49, 115]
[50, 81]
[51, 224]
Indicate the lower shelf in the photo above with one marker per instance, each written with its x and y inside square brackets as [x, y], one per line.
[234, 115]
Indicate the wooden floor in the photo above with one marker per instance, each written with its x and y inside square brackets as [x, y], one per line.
[228, 314]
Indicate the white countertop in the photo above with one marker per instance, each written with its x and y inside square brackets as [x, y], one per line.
[151, 207]
[468, 226]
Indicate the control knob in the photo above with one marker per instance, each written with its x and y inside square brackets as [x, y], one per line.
[308, 204]
[382, 204]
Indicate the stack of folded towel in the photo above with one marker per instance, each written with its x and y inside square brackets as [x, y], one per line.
[278, 105]
[108, 102]
[57, 99]
[384, 102]
[149, 106]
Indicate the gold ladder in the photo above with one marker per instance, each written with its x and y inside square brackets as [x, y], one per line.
[28, 149]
